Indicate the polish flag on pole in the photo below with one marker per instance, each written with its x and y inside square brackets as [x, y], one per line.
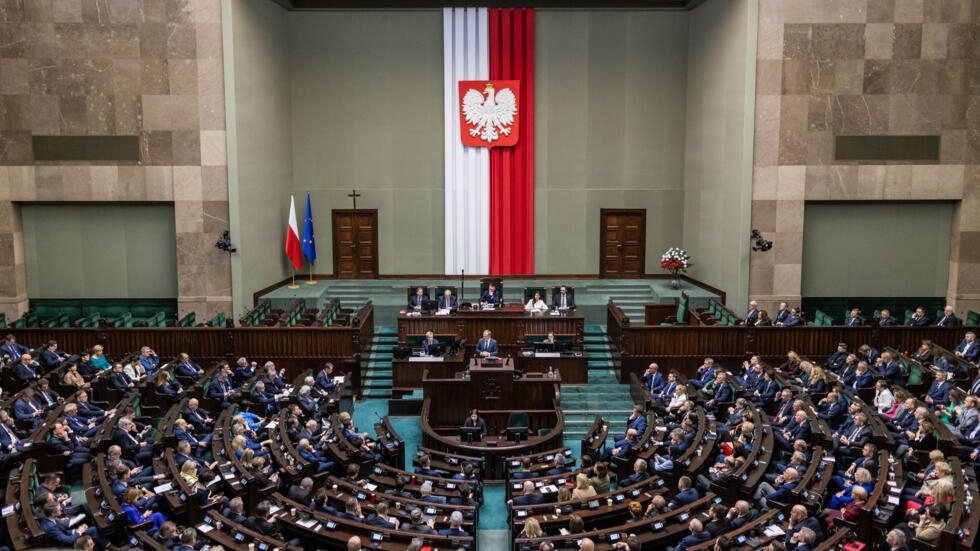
[292, 237]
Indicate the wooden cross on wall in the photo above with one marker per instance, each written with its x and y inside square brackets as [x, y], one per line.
[354, 195]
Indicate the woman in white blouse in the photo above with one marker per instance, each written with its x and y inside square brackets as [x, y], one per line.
[884, 399]
[135, 370]
[680, 396]
[536, 304]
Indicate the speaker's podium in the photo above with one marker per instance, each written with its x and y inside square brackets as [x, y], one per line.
[520, 409]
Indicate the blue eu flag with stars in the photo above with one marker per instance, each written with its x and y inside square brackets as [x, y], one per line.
[309, 246]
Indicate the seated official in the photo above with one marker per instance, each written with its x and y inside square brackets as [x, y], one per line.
[119, 380]
[75, 448]
[184, 431]
[263, 522]
[51, 357]
[685, 494]
[11, 349]
[536, 304]
[427, 342]
[222, 391]
[169, 386]
[135, 370]
[55, 526]
[27, 370]
[132, 442]
[26, 408]
[779, 491]
[447, 301]
[77, 424]
[45, 396]
[244, 371]
[793, 318]
[563, 300]
[886, 319]
[417, 300]
[134, 515]
[490, 297]
[652, 379]
[187, 368]
[474, 420]
[919, 318]
[968, 349]
[98, 358]
[636, 421]
[486, 347]
[530, 496]
[948, 319]
[854, 319]
[324, 379]
[149, 360]
[455, 526]
[197, 416]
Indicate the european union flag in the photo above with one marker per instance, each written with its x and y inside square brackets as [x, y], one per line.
[309, 246]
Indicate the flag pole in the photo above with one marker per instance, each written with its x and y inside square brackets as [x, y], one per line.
[293, 284]
[311, 282]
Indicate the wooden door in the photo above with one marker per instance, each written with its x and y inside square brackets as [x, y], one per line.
[622, 242]
[355, 243]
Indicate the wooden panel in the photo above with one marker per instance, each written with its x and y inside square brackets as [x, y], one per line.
[622, 247]
[509, 326]
[355, 243]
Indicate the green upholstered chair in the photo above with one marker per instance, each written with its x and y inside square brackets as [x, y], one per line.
[518, 419]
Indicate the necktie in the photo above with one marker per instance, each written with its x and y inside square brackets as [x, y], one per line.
[563, 300]
[854, 434]
[976, 386]
[974, 432]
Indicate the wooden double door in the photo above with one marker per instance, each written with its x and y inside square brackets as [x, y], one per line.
[622, 243]
[355, 243]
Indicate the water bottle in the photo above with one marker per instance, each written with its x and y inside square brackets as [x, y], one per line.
[551, 373]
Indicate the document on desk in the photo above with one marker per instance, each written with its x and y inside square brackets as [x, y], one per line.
[547, 354]
[425, 359]
[774, 531]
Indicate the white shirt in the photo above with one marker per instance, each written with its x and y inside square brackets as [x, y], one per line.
[538, 306]
[677, 401]
[136, 373]
[886, 400]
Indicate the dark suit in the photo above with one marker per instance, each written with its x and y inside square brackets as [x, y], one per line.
[188, 369]
[781, 316]
[918, 321]
[426, 344]
[27, 371]
[893, 373]
[939, 392]
[886, 322]
[487, 298]
[119, 381]
[14, 351]
[417, 301]
[451, 304]
[534, 498]
[692, 540]
[263, 527]
[479, 423]
[948, 321]
[689, 495]
[751, 317]
[569, 301]
[483, 346]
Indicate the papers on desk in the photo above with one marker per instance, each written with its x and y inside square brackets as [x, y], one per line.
[425, 359]
[370, 487]
[214, 481]
[274, 509]
[271, 425]
[774, 531]
[893, 500]
[443, 312]
[338, 380]
[555, 313]
[75, 520]
[547, 354]
[228, 476]
[308, 523]
[163, 488]
[564, 531]
[8, 510]
[204, 528]
[549, 489]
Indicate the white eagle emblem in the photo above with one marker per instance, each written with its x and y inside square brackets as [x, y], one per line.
[493, 115]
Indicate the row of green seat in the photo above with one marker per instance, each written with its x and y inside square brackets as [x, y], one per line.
[719, 313]
[680, 317]
[254, 318]
[293, 316]
[821, 319]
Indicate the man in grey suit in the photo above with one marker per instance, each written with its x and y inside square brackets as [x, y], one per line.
[966, 417]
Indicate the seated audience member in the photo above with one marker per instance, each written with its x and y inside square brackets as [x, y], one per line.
[530, 496]
[636, 421]
[135, 370]
[75, 448]
[474, 420]
[169, 386]
[133, 513]
[55, 526]
[722, 393]
[263, 521]
[381, 519]
[938, 394]
[51, 357]
[653, 381]
[704, 374]
[11, 350]
[697, 536]
[779, 491]
[27, 370]
[792, 318]
[685, 494]
[187, 368]
[149, 360]
[74, 378]
[968, 349]
[119, 380]
[666, 394]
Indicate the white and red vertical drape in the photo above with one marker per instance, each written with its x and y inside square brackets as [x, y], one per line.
[489, 202]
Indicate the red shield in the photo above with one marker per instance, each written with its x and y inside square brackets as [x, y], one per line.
[489, 112]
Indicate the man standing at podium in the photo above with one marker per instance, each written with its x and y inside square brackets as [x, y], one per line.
[427, 342]
[415, 303]
[563, 300]
[490, 296]
[486, 346]
[447, 301]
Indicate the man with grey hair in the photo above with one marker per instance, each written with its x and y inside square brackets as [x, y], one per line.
[455, 526]
[697, 536]
[353, 544]
[428, 343]
[780, 490]
[804, 536]
[639, 473]
[531, 496]
[896, 541]
[235, 510]
[415, 545]
[426, 494]
[301, 493]
[417, 524]
[704, 375]
[968, 349]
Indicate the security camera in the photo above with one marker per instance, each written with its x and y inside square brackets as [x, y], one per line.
[224, 243]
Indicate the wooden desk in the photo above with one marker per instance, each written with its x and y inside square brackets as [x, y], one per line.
[407, 374]
[488, 388]
[574, 369]
[509, 326]
[494, 449]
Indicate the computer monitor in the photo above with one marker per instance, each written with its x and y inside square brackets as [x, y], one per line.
[517, 434]
[544, 346]
[401, 352]
[437, 349]
[430, 305]
[470, 434]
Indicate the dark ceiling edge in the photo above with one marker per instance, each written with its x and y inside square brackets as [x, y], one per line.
[311, 5]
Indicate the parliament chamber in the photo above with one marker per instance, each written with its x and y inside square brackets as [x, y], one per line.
[555, 275]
